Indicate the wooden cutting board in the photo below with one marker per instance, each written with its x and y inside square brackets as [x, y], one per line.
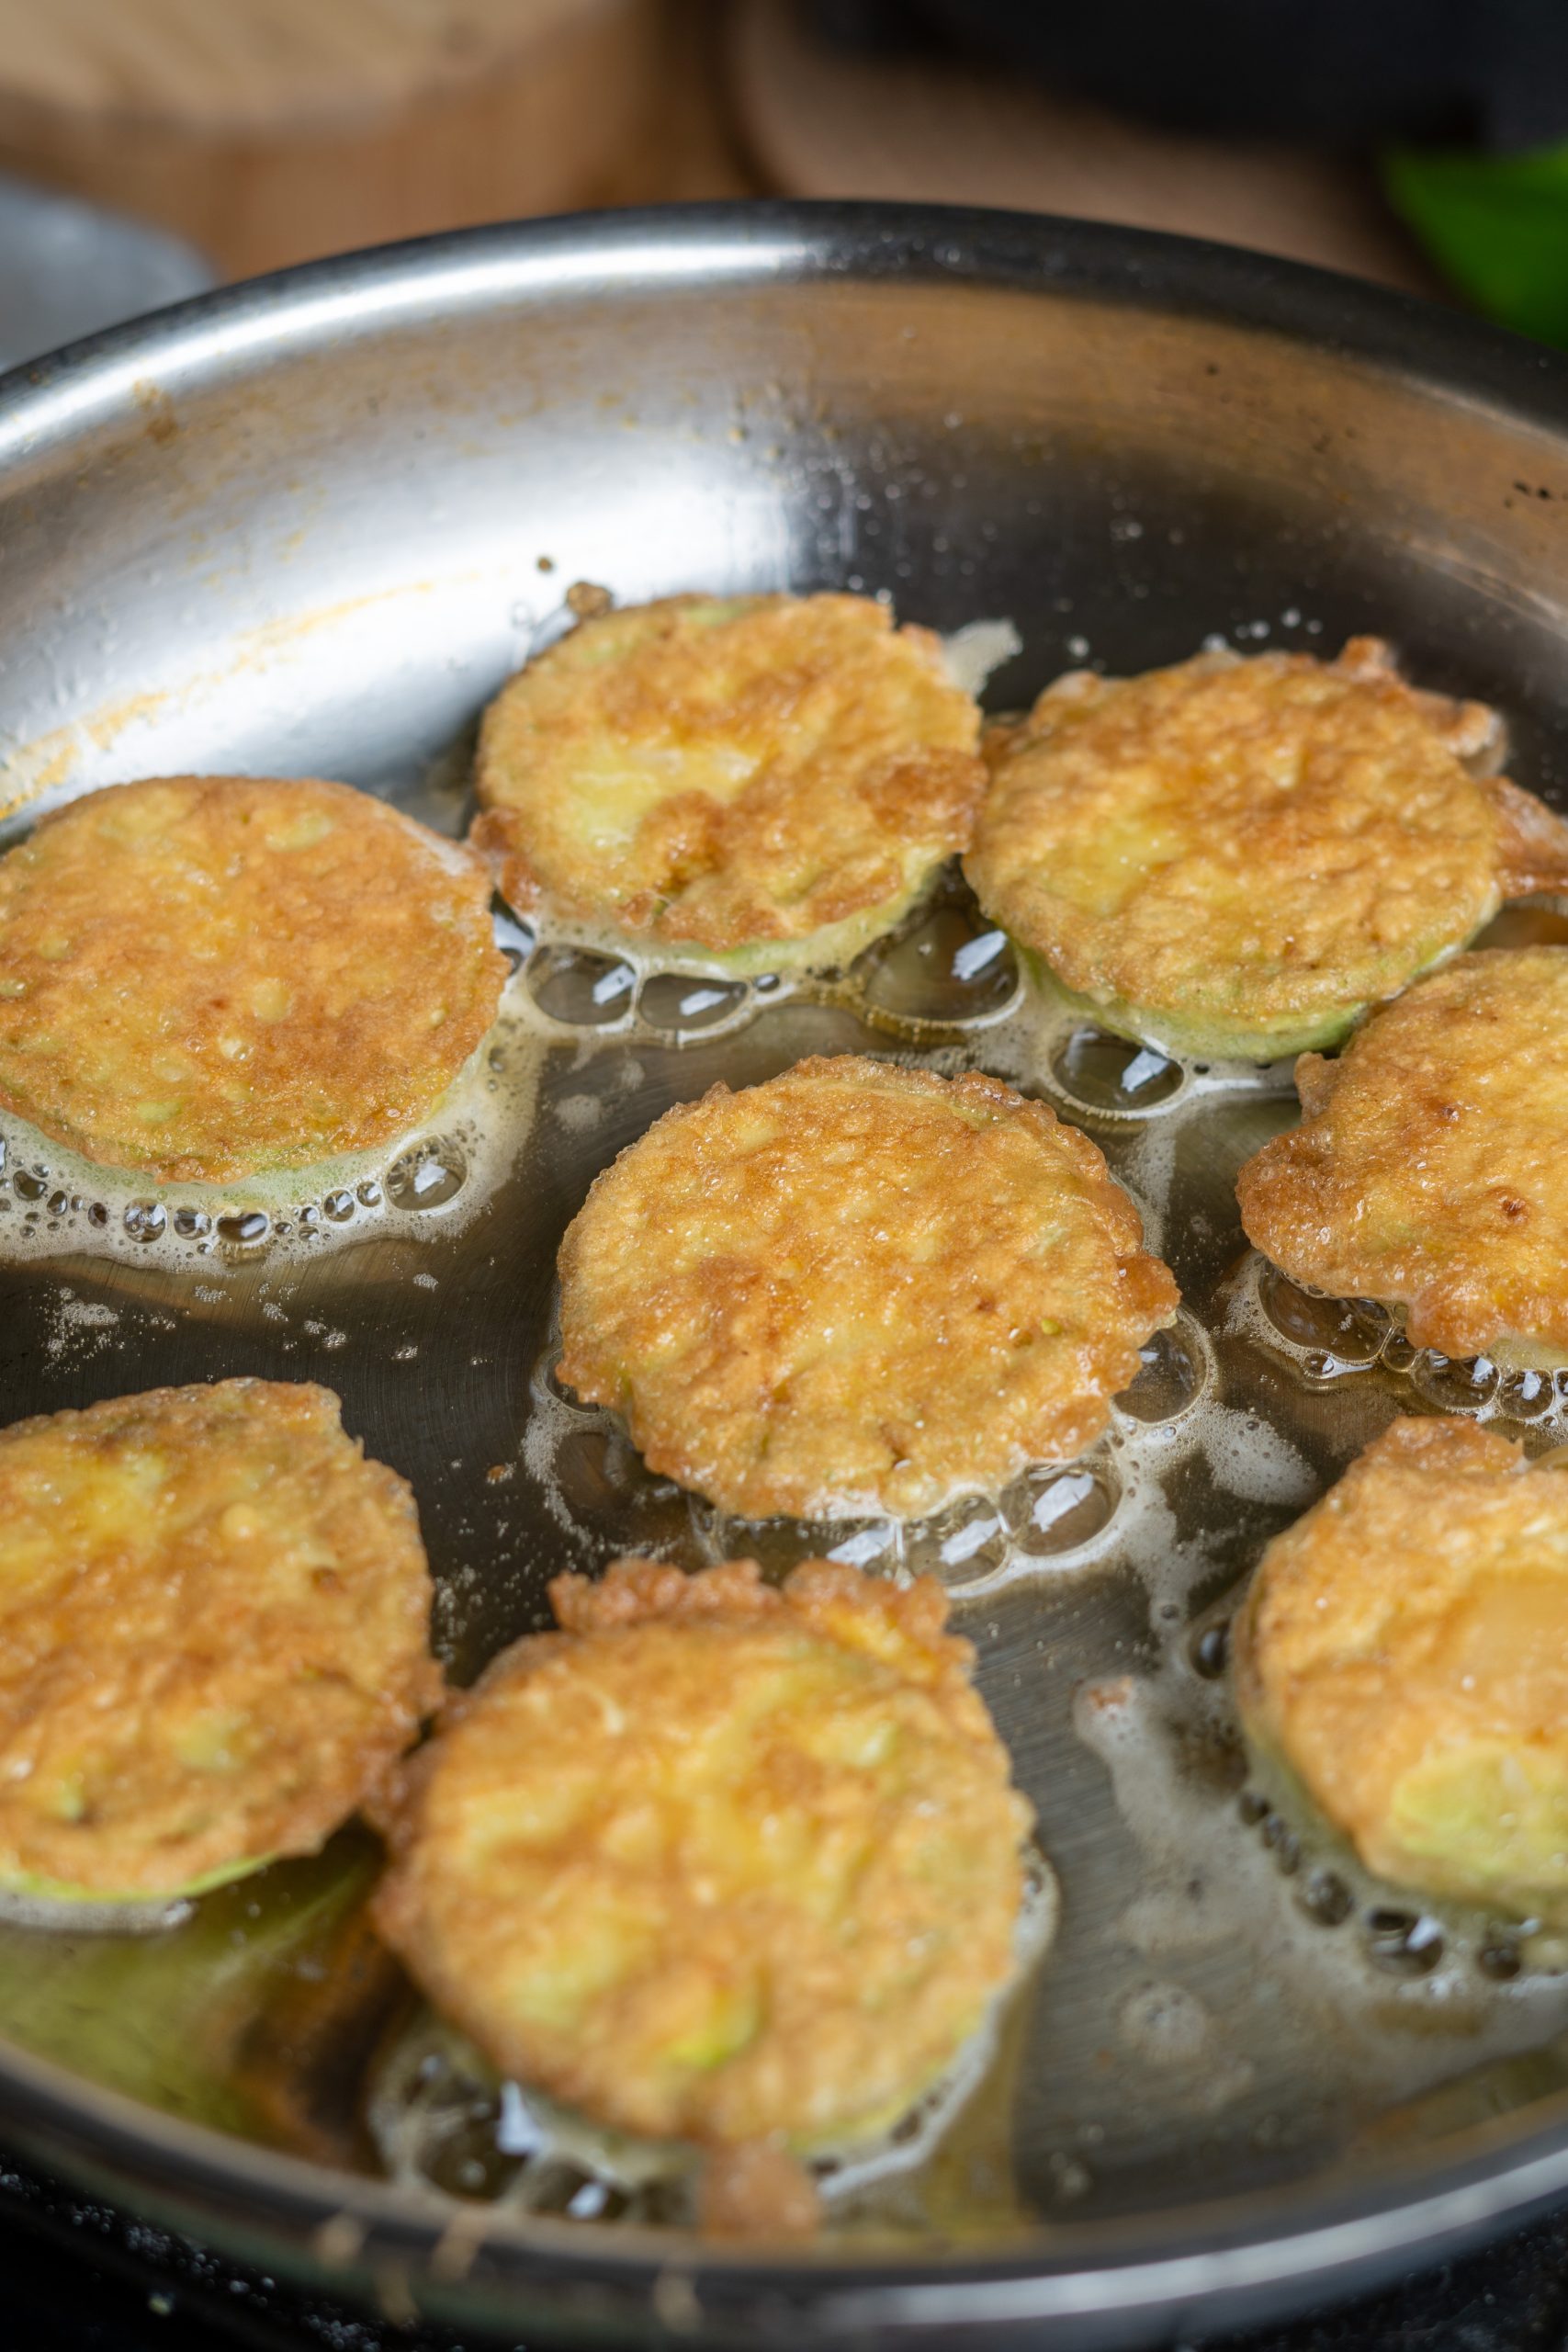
[268, 132]
[820, 121]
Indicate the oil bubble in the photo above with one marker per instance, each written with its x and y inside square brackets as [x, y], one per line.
[1210, 1650]
[192, 1224]
[368, 1194]
[31, 1183]
[1406, 1943]
[1455, 1384]
[595, 1468]
[145, 1220]
[963, 1543]
[243, 1228]
[953, 969]
[98, 1214]
[58, 1203]
[680, 1008]
[1324, 1896]
[1283, 1843]
[581, 988]
[1526, 1396]
[1104, 1073]
[427, 1177]
[860, 1544]
[1343, 1333]
[1398, 1355]
[1171, 1375]
[339, 1206]
[1053, 1511]
[780, 1544]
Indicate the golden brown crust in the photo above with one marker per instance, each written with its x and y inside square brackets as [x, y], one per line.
[857, 1287]
[905, 1625]
[1430, 1168]
[742, 1866]
[1473, 731]
[207, 977]
[708, 775]
[215, 1615]
[1532, 841]
[1251, 849]
[1404, 1650]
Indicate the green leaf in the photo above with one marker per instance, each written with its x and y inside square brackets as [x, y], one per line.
[1496, 225]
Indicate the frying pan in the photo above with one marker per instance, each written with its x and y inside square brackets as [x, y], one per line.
[307, 526]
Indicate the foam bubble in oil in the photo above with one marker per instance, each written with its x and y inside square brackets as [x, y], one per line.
[943, 974]
[1328, 1341]
[1268, 1925]
[1051, 1518]
[1096, 1076]
[942, 971]
[1250, 1909]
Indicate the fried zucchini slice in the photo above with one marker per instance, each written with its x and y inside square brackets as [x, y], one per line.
[744, 784]
[214, 1637]
[1232, 858]
[1403, 1652]
[718, 1861]
[1430, 1168]
[210, 977]
[856, 1288]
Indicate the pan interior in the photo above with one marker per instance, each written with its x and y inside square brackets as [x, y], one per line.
[325, 566]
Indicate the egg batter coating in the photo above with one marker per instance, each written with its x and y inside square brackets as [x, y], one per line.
[718, 1861]
[1403, 1652]
[214, 1619]
[1430, 1169]
[1232, 858]
[209, 976]
[751, 783]
[857, 1288]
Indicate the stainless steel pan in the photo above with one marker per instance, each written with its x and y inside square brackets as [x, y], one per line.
[307, 526]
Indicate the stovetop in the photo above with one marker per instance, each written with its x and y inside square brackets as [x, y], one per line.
[81, 2276]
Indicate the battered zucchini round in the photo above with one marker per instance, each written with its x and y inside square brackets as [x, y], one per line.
[1430, 1169]
[718, 1861]
[857, 1288]
[208, 976]
[1403, 1651]
[1232, 858]
[214, 1622]
[754, 783]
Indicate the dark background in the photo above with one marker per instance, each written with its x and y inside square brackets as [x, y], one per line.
[77, 2276]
